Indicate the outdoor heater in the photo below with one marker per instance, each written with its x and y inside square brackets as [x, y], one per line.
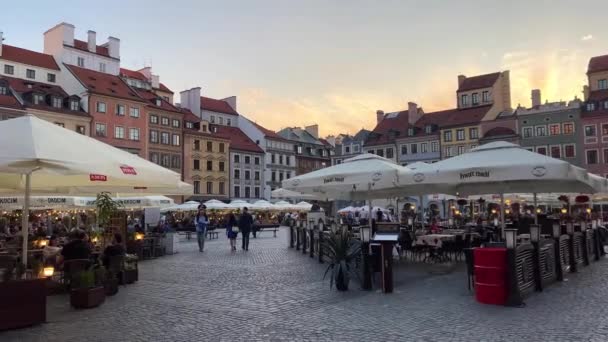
[557, 230]
[570, 228]
[365, 232]
[534, 233]
[511, 238]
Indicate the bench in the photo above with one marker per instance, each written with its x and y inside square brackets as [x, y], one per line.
[212, 234]
[273, 229]
[186, 233]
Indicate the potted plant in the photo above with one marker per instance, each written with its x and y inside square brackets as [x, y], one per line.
[342, 250]
[87, 290]
[130, 272]
[22, 301]
[106, 207]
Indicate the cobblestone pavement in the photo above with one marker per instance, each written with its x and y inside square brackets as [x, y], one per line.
[273, 293]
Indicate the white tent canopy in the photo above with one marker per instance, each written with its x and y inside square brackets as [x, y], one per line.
[363, 176]
[304, 206]
[349, 209]
[216, 205]
[284, 193]
[262, 205]
[239, 204]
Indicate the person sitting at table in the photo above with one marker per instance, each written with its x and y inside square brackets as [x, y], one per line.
[51, 251]
[434, 227]
[77, 248]
[115, 249]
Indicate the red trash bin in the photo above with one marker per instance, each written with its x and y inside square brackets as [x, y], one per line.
[491, 275]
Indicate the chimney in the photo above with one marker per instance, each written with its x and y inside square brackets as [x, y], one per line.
[585, 92]
[92, 41]
[535, 94]
[191, 99]
[147, 72]
[1, 39]
[413, 113]
[461, 79]
[379, 116]
[231, 101]
[155, 81]
[113, 47]
[58, 36]
[313, 130]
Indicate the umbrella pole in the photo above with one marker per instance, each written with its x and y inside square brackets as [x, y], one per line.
[502, 216]
[535, 210]
[25, 218]
[421, 209]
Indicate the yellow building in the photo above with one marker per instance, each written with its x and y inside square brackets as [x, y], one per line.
[206, 159]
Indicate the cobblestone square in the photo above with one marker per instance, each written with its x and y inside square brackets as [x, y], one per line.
[273, 293]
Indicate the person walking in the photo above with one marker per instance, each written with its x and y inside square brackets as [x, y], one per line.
[232, 231]
[245, 225]
[201, 221]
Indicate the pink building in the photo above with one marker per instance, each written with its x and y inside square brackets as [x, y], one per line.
[594, 117]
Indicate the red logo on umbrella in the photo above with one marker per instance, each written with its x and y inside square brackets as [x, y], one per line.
[128, 170]
[97, 178]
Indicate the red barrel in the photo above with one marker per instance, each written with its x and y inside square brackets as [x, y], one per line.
[491, 275]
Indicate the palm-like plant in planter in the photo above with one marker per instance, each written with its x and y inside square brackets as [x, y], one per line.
[106, 207]
[342, 251]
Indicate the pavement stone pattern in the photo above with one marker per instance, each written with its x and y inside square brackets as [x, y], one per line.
[273, 293]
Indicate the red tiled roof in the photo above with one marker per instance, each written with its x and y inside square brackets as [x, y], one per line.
[598, 95]
[189, 116]
[598, 63]
[10, 101]
[164, 88]
[499, 131]
[104, 84]
[132, 74]
[219, 106]
[238, 139]
[324, 142]
[84, 46]
[458, 117]
[19, 55]
[389, 129]
[477, 82]
[151, 97]
[268, 133]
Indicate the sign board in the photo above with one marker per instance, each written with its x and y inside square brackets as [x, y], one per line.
[387, 228]
[151, 217]
[386, 237]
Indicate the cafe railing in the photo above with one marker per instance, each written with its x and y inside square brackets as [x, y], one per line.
[577, 258]
[524, 269]
[546, 262]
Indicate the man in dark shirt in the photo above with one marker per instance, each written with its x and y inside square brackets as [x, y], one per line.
[77, 248]
[115, 249]
[245, 225]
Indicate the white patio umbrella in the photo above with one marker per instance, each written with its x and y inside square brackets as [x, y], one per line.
[284, 193]
[216, 205]
[239, 204]
[349, 209]
[262, 205]
[305, 206]
[283, 205]
[40, 157]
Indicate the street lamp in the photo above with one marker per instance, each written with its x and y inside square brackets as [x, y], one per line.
[510, 238]
[538, 211]
[365, 232]
[534, 233]
[564, 211]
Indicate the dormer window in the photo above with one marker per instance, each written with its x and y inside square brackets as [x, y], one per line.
[38, 99]
[189, 125]
[3, 89]
[428, 129]
[158, 102]
[410, 131]
[74, 105]
[57, 102]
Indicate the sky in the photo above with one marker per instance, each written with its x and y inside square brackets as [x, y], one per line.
[335, 62]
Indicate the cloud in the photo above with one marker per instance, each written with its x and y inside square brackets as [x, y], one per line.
[587, 37]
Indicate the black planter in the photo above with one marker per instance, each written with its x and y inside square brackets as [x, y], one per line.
[87, 298]
[111, 286]
[130, 276]
[22, 303]
[341, 281]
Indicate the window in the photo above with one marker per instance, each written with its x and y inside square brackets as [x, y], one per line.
[554, 129]
[80, 62]
[459, 134]
[256, 192]
[212, 119]
[222, 187]
[204, 127]
[101, 107]
[222, 166]
[247, 175]
[380, 153]
[29, 73]
[164, 138]
[228, 122]
[410, 131]
[247, 191]
[164, 121]
[60, 124]
[346, 149]
[9, 69]
[602, 84]
[221, 120]
[273, 176]
[100, 129]
[281, 176]
[590, 131]
[527, 132]
[74, 105]
[434, 146]
[299, 149]
[568, 128]
[154, 137]
[237, 191]
[81, 129]
[403, 149]
[447, 136]
[237, 174]
[154, 158]
[356, 147]
[3, 90]
[590, 106]
[119, 132]
[209, 146]
[604, 129]
[287, 160]
[280, 159]
[541, 131]
[570, 152]
[591, 157]
[51, 78]
[556, 151]
[485, 96]
[176, 123]
[165, 160]
[414, 148]
[197, 145]
[423, 148]
[448, 151]
[605, 155]
[256, 175]
[288, 175]
[189, 125]
[272, 159]
[120, 110]
[176, 162]
[196, 164]
[475, 99]
[197, 187]
[175, 140]
[153, 119]
[134, 134]
[102, 67]
[247, 160]
[38, 99]
[256, 160]
[209, 165]
[237, 158]
[57, 102]
[389, 153]
[464, 100]
[541, 150]
[460, 150]
[473, 133]
[134, 112]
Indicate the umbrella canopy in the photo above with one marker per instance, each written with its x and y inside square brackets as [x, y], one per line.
[284, 193]
[349, 209]
[363, 176]
[283, 205]
[262, 205]
[216, 205]
[239, 204]
[502, 167]
[304, 206]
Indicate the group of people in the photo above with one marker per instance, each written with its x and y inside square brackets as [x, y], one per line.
[234, 226]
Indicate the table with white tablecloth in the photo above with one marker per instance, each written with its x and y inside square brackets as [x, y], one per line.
[435, 240]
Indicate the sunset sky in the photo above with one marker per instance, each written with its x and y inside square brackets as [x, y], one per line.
[335, 63]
